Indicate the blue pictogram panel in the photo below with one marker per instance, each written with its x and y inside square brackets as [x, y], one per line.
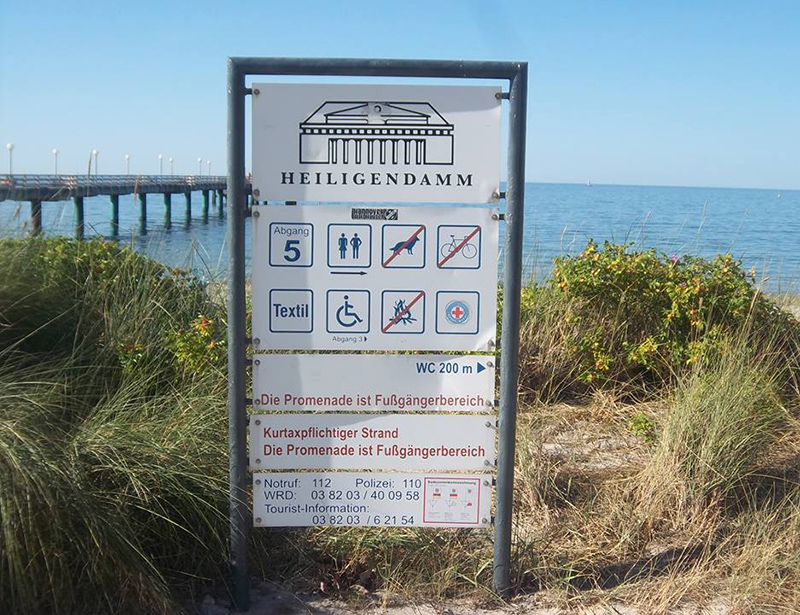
[403, 246]
[291, 310]
[348, 311]
[349, 245]
[291, 244]
[458, 246]
[403, 311]
[457, 312]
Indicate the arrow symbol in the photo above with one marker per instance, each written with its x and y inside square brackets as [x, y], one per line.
[349, 272]
[480, 368]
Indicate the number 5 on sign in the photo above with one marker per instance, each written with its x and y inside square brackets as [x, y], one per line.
[292, 252]
[291, 244]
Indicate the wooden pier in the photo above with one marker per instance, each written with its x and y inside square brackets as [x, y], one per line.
[37, 189]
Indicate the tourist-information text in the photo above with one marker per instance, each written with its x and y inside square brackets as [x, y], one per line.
[371, 499]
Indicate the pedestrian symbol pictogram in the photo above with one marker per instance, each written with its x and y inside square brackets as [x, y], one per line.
[458, 247]
[403, 311]
[403, 246]
[349, 245]
[457, 312]
[348, 311]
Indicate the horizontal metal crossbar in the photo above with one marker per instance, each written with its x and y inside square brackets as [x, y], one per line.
[464, 69]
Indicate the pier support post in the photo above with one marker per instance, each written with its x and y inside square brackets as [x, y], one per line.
[143, 213]
[188, 208]
[78, 200]
[205, 205]
[36, 217]
[114, 215]
[220, 203]
[214, 199]
[167, 210]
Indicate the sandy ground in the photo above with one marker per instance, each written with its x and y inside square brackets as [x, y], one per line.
[271, 600]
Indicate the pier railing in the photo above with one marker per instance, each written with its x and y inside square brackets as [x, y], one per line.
[64, 187]
[38, 189]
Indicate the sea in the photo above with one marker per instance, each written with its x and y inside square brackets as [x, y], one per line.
[759, 227]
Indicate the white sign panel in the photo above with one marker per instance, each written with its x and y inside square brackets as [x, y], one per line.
[349, 278]
[376, 143]
[377, 441]
[354, 499]
[374, 383]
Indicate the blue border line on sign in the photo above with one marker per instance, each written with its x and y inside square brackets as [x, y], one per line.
[347, 290]
[439, 244]
[271, 264]
[477, 316]
[415, 293]
[424, 240]
[369, 227]
[310, 304]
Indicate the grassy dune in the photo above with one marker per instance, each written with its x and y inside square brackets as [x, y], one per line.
[658, 444]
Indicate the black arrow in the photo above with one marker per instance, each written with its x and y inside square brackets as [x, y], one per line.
[349, 272]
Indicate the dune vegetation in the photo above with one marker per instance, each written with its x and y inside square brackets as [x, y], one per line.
[658, 444]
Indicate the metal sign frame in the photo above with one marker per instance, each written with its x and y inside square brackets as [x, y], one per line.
[239, 68]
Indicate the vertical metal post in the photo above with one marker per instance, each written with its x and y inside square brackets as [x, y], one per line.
[114, 215]
[167, 210]
[205, 205]
[188, 208]
[237, 412]
[143, 213]
[36, 217]
[509, 343]
[78, 200]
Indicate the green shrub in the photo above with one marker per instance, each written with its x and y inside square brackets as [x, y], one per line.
[201, 345]
[647, 317]
[644, 427]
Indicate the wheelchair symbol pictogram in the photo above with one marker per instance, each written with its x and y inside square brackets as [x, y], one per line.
[348, 311]
[346, 316]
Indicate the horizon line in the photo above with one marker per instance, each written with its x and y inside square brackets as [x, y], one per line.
[626, 185]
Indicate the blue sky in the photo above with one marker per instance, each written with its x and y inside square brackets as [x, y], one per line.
[698, 93]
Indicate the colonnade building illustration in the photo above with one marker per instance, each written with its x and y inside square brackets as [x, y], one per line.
[397, 133]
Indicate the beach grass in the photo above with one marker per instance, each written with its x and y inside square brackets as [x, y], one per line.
[111, 453]
[658, 459]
